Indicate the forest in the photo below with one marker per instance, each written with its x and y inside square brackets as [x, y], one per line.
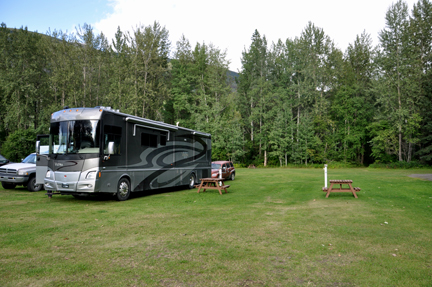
[299, 101]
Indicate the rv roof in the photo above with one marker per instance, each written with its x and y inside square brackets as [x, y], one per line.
[96, 113]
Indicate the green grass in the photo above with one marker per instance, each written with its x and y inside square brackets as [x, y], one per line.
[274, 227]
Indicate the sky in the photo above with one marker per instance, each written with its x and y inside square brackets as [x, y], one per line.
[228, 25]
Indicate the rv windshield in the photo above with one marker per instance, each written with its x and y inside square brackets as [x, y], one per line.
[75, 137]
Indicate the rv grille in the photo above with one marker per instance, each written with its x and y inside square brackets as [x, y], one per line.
[8, 171]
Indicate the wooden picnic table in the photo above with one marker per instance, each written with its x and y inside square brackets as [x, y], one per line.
[212, 183]
[341, 182]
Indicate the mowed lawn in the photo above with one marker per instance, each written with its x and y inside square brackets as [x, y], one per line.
[274, 227]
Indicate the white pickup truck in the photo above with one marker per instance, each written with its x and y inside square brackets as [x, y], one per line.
[23, 173]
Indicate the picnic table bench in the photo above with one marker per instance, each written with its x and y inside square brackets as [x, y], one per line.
[341, 182]
[212, 183]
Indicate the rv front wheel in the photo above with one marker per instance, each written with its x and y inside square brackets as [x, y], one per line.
[123, 189]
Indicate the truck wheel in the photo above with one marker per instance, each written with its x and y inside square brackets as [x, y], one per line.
[123, 189]
[8, 185]
[32, 186]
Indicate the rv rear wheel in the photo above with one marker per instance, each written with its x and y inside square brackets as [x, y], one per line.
[192, 181]
[123, 189]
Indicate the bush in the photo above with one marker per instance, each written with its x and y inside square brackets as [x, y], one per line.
[400, 164]
[19, 144]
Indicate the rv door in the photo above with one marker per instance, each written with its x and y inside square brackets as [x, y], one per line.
[42, 150]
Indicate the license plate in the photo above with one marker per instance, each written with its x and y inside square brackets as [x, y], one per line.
[65, 185]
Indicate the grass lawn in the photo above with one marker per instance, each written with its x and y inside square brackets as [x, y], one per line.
[274, 227]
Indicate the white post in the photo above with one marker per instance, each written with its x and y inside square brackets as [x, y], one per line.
[220, 176]
[325, 175]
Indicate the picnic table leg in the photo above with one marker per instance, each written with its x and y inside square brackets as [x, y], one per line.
[352, 190]
[200, 186]
[329, 190]
[223, 184]
[218, 185]
[205, 185]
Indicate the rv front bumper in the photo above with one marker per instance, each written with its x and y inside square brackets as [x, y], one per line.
[71, 182]
[87, 187]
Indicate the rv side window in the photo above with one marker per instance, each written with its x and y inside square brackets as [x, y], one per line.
[112, 134]
[148, 140]
[163, 139]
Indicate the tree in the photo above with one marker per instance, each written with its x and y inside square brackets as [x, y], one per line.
[183, 83]
[202, 98]
[150, 50]
[253, 89]
[20, 144]
[315, 65]
[23, 78]
[63, 77]
[420, 25]
[399, 90]
[353, 102]
[120, 81]
[90, 44]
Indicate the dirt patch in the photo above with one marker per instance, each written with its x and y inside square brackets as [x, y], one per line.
[426, 176]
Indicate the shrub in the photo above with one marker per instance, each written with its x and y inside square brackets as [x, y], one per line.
[19, 144]
[399, 164]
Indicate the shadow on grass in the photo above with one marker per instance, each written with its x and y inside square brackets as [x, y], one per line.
[111, 197]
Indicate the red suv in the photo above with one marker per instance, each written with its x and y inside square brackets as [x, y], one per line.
[227, 167]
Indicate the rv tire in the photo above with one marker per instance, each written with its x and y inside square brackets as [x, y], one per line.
[192, 180]
[123, 189]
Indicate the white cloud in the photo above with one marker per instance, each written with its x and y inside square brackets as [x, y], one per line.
[230, 24]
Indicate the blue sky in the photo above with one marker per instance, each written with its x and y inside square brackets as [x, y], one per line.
[41, 15]
[226, 24]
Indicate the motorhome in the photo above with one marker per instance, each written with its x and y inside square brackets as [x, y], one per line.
[101, 150]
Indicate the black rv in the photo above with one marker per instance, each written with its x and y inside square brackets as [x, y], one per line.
[100, 150]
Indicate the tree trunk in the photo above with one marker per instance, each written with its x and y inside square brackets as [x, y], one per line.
[400, 144]
[84, 72]
[409, 151]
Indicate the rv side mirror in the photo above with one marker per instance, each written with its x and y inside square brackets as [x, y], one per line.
[37, 147]
[111, 148]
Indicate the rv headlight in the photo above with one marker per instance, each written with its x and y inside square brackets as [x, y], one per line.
[49, 174]
[91, 175]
